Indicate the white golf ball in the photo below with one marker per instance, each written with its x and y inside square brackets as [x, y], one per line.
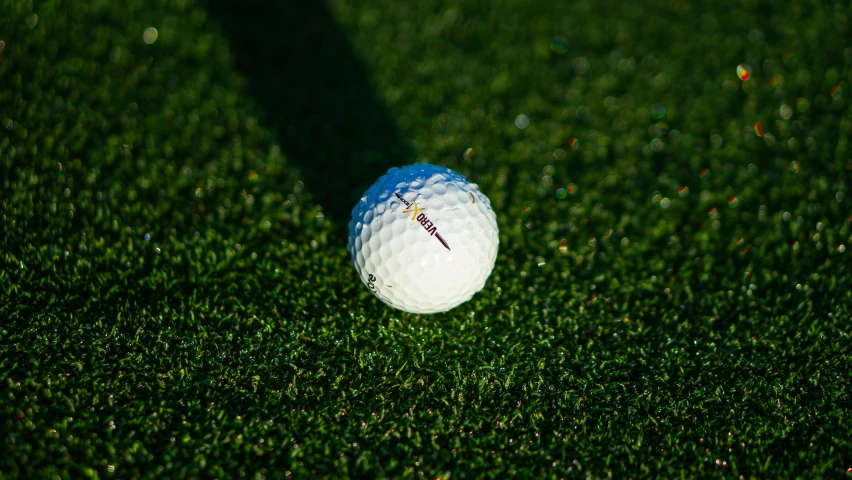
[423, 238]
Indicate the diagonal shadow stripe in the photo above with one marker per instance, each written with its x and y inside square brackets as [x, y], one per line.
[316, 95]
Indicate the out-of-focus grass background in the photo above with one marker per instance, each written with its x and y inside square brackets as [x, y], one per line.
[671, 298]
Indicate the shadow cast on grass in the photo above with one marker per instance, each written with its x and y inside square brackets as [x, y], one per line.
[316, 96]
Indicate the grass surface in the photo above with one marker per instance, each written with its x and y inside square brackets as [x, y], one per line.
[671, 297]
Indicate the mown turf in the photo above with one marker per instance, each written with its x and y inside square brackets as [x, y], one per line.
[671, 298]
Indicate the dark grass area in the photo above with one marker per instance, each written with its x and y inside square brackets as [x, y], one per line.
[671, 298]
[315, 94]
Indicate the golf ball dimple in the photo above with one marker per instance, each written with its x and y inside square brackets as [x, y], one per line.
[423, 238]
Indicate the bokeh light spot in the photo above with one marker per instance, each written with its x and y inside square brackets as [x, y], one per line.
[775, 82]
[522, 121]
[150, 35]
[743, 72]
[581, 66]
[559, 45]
[752, 169]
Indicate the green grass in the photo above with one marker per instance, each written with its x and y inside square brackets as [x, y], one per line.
[177, 301]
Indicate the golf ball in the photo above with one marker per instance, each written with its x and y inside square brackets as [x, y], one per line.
[423, 238]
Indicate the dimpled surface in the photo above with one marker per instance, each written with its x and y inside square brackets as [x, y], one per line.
[423, 238]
